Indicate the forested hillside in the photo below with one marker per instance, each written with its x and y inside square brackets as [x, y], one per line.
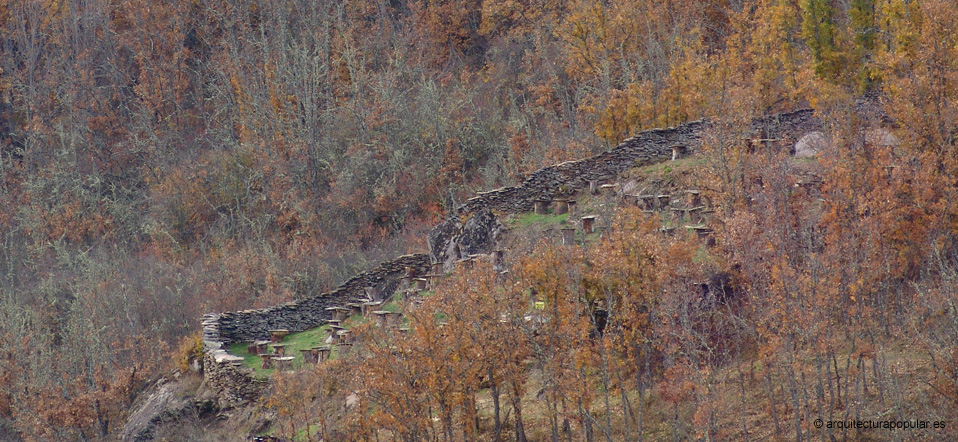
[161, 160]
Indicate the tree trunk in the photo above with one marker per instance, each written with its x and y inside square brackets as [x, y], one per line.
[103, 424]
[494, 391]
[741, 384]
[586, 423]
[796, 403]
[771, 397]
[517, 407]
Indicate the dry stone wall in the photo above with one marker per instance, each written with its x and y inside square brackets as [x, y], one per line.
[236, 385]
[296, 316]
[644, 148]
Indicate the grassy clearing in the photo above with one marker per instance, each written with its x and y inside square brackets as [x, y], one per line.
[294, 343]
[666, 167]
[529, 219]
[308, 339]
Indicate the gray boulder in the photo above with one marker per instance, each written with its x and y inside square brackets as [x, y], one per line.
[811, 144]
[452, 240]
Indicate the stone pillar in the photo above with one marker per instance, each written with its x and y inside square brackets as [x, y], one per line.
[562, 207]
[572, 207]
[420, 283]
[338, 313]
[437, 268]
[380, 317]
[284, 362]
[278, 335]
[694, 199]
[568, 236]
[588, 224]
[393, 319]
[498, 258]
[370, 307]
[267, 361]
[431, 281]
[355, 309]
[695, 215]
[334, 333]
[322, 353]
[308, 355]
[680, 213]
[541, 207]
[664, 201]
[279, 349]
[593, 187]
[648, 202]
[676, 152]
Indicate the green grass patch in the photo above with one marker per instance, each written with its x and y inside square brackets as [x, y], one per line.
[391, 306]
[667, 167]
[294, 343]
[532, 218]
[592, 238]
[312, 338]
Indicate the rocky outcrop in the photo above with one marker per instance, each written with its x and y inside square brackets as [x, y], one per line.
[810, 145]
[451, 240]
[165, 405]
[442, 242]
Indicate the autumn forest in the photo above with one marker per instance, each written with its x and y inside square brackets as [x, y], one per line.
[160, 160]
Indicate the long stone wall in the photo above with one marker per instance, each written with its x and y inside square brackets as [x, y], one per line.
[296, 316]
[644, 148]
[236, 385]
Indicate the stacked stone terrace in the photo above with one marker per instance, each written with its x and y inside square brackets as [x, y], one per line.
[235, 384]
[645, 148]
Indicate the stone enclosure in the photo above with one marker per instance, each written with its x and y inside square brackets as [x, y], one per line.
[471, 229]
